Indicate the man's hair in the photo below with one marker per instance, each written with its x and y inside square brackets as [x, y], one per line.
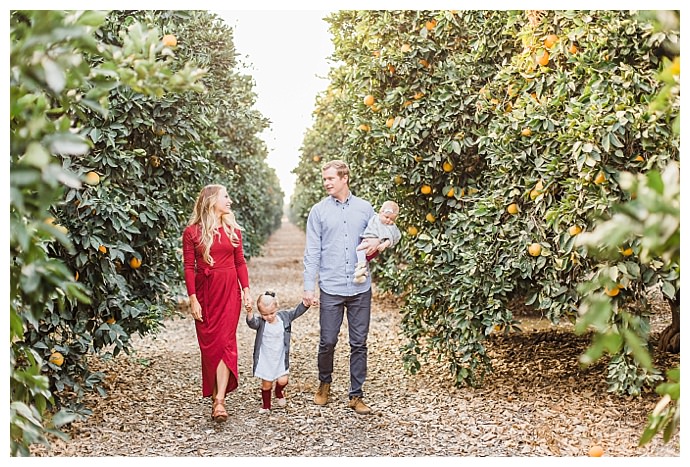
[338, 165]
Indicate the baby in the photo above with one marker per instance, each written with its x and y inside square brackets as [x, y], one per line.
[381, 226]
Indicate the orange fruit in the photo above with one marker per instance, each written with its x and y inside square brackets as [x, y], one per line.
[424, 63]
[612, 292]
[600, 178]
[412, 230]
[369, 100]
[447, 166]
[316, 158]
[111, 320]
[76, 276]
[534, 249]
[398, 180]
[533, 194]
[451, 193]
[639, 159]
[573, 49]
[550, 40]
[543, 60]
[430, 25]
[512, 208]
[405, 48]
[155, 161]
[430, 217]
[92, 178]
[170, 40]
[390, 122]
[364, 127]
[56, 358]
[426, 189]
[102, 249]
[135, 262]
[526, 132]
[391, 69]
[596, 451]
[574, 230]
[627, 252]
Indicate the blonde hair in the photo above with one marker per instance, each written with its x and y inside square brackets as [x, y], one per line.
[205, 217]
[390, 204]
[340, 166]
[265, 300]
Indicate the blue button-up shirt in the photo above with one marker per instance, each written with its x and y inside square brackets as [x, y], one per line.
[333, 233]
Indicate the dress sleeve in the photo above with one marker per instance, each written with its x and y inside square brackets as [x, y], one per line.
[189, 258]
[241, 263]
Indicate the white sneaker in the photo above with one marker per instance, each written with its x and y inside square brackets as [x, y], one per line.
[264, 411]
[281, 402]
[360, 270]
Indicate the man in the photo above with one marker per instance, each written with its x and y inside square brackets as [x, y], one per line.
[334, 227]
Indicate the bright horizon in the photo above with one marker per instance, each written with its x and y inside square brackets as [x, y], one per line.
[289, 68]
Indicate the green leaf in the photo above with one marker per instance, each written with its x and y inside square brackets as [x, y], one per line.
[55, 75]
[36, 155]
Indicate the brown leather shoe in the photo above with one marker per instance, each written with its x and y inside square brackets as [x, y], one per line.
[219, 413]
[321, 396]
[358, 405]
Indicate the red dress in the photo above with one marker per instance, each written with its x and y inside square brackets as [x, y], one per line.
[219, 293]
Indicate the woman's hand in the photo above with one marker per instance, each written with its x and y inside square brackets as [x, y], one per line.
[195, 308]
[247, 299]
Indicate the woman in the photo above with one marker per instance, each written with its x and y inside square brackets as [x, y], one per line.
[214, 270]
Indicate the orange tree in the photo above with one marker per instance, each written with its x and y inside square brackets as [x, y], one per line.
[52, 83]
[502, 134]
[143, 153]
[651, 221]
[572, 114]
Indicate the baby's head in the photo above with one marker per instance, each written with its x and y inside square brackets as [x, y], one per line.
[267, 304]
[389, 212]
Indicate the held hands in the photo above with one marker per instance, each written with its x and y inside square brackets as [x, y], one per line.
[247, 300]
[308, 299]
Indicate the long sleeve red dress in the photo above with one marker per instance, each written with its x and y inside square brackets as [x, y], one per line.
[218, 290]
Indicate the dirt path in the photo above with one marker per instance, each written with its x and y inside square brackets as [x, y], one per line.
[538, 403]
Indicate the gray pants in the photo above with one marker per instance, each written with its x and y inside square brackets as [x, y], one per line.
[331, 319]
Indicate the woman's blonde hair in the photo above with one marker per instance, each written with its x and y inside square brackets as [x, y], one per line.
[206, 218]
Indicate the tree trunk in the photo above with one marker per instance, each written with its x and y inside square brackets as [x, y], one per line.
[669, 340]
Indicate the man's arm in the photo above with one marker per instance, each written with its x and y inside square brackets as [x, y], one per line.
[312, 257]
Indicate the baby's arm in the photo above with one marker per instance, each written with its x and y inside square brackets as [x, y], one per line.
[384, 244]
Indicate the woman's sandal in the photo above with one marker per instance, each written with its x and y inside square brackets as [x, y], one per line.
[219, 413]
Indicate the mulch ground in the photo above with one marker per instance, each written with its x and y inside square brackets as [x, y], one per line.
[537, 403]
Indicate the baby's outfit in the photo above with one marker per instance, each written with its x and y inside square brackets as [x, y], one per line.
[375, 229]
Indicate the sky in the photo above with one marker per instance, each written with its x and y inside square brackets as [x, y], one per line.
[286, 52]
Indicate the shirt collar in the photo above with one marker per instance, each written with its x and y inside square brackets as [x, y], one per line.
[347, 200]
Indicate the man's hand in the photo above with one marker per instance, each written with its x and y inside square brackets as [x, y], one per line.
[308, 298]
[373, 245]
